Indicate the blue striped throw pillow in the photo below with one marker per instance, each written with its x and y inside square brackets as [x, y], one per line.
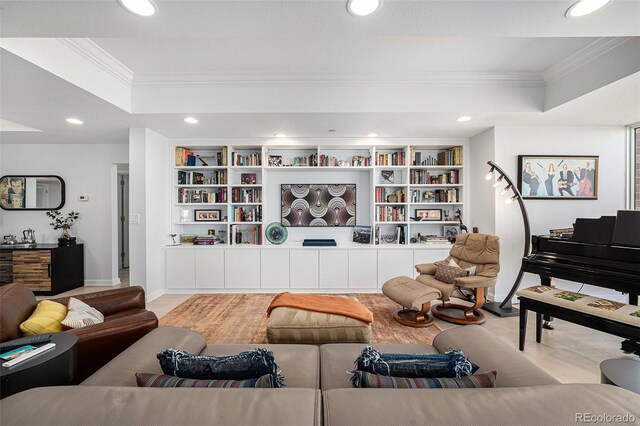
[362, 379]
[149, 380]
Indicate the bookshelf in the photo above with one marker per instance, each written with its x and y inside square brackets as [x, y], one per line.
[414, 189]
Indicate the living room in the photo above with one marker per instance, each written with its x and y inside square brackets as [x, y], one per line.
[201, 158]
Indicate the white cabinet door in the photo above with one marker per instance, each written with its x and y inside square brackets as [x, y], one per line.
[393, 263]
[334, 268]
[242, 268]
[180, 268]
[428, 256]
[363, 268]
[209, 268]
[274, 266]
[303, 267]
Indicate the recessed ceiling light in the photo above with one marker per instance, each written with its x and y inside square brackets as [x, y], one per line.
[363, 7]
[72, 120]
[463, 118]
[191, 120]
[585, 7]
[280, 135]
[372, 135]
[140, 7]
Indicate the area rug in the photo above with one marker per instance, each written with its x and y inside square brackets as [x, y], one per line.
[241, 318]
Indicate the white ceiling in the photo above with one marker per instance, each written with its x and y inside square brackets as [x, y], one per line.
[284, 59]
[315, 55]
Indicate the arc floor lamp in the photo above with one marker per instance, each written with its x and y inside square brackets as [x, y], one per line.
[505, 308]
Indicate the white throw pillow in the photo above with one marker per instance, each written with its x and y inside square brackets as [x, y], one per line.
[80, 314]
[471, 270]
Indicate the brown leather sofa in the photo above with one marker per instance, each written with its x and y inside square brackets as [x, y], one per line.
[125, 321]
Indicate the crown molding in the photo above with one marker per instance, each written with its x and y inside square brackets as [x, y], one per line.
[452, 79]
[100, 57]
[582, 57]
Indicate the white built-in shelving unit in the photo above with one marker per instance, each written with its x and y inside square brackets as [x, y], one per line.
[250, 263]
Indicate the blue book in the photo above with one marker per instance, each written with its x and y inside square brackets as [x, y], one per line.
[15, 353]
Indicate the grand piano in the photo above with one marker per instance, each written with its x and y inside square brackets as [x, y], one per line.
[602, 252]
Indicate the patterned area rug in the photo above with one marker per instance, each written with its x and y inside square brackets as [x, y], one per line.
[241, 318]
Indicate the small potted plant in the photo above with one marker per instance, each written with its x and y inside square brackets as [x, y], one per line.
[60, 221]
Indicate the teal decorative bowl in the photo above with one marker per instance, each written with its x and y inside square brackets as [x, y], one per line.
[276, 233]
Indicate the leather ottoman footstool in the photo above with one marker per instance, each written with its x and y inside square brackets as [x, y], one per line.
[414, 297]
[291, 325]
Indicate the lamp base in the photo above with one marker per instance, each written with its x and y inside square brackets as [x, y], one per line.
[495, 309]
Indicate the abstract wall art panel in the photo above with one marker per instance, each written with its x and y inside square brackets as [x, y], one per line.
[318, 205]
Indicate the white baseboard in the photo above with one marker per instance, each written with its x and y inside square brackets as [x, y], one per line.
[90, 283]
[152, 296]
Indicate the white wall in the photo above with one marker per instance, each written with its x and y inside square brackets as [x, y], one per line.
[148, 198]
[482, 206]
[609, 142]
[86, 170]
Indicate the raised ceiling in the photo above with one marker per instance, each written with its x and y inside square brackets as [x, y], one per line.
[255, 68]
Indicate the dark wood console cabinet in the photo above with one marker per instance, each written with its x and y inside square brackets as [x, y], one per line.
[47, 269]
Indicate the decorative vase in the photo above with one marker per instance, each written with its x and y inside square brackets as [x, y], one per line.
[66, 239]
[276, 233]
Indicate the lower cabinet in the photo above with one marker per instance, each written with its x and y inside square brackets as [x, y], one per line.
[393, 263]
[242, 268]
[363, 269]
[297, 269]
[303, 268]
[209, 269]
[181, 268]
[334, 269]
[274, 268]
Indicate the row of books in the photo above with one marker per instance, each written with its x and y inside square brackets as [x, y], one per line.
[450, 157]
[422, 177]
[216, 177]
[389, 195]
[244, 235]
[356, 161]
[306, 161]
[186, 195]
[187, 158]
[417, 159]
[451, 195]
[207, 240]
[393, 159]
[246, 160]
[390, 214]
[399, 236]
[247, 214]
[433, 239]
[244, 195]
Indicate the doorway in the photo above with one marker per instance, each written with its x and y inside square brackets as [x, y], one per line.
[123, 224]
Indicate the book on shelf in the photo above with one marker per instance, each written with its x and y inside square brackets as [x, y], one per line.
[207, 240]
[433, 239]
[246, 195]
[450, 157]
[423, 177]
[214, 177]
[246, 160]
[310, 160]
[247, 214]
[391, 214]
[389, 195]
[393, 159]
[246, 235]
[188, 195]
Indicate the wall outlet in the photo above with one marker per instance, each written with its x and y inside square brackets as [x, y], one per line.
[134, 218]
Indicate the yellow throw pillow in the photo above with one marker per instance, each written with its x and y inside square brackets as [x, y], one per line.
[47, 318]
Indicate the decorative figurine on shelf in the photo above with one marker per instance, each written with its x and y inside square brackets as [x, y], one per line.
[387, 176]
[458, 216]
[173, 240]
[65, 223]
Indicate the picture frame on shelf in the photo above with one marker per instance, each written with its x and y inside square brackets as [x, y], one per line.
[558, 177]
[211, 232]
[429, 215]
[451, 232]
[275, 161]
[362, 234]
[209, 215]
[248, 178]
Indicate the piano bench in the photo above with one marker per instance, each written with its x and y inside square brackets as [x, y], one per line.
[605, 315]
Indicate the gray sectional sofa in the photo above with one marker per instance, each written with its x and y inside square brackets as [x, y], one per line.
[318, 391]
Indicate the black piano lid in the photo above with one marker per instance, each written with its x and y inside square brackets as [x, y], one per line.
[597, 251]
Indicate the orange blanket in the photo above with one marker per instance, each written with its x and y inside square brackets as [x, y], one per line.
[325, 304]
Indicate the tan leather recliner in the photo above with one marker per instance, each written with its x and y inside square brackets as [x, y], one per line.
[479, 250]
